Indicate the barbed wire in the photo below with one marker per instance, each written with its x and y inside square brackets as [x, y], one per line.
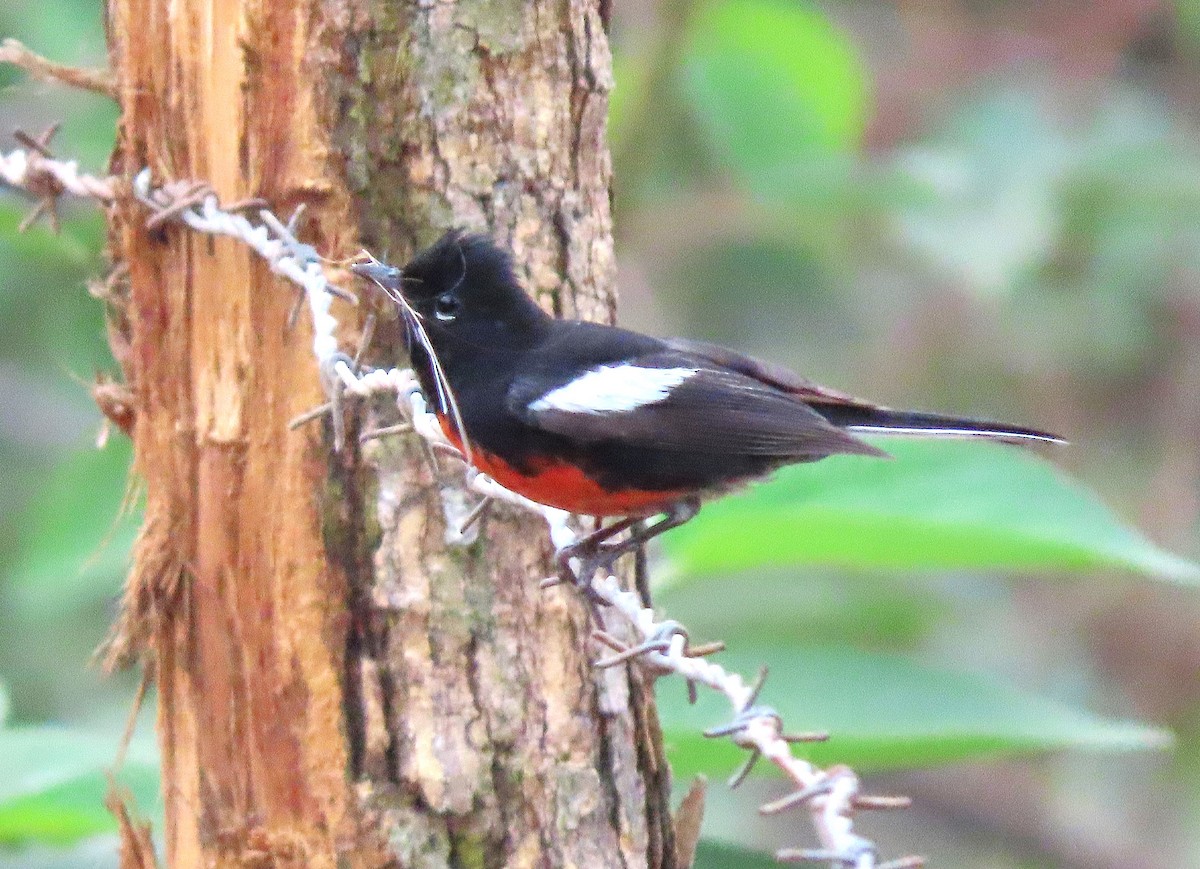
[38, 173]
[831, 796]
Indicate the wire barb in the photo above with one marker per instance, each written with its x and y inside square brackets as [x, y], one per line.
[45, 187]
[32, 170]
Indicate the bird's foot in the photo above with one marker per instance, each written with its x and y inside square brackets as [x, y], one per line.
[578, 566]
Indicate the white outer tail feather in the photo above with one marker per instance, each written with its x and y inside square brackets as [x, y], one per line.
[950, 432]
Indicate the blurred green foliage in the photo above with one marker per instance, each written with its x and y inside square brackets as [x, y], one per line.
[936, 505]
[1017, 251]
[54, 782]
[64, 538]
[1025, 251]
[884, 712]
[793, 61]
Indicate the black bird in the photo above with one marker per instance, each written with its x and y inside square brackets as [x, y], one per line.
[606, 422]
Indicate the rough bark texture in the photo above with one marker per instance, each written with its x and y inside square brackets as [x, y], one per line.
[328, 694]
[495, 743]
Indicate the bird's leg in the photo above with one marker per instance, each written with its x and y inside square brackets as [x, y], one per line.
[595, 552]
[586, 549]
[678, 513]
[641, 576]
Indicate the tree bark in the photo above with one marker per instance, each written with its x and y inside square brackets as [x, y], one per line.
[336, 687]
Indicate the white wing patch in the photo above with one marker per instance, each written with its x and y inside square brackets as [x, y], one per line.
[613, 389]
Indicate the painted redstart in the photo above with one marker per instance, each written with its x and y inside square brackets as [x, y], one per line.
[605, 422]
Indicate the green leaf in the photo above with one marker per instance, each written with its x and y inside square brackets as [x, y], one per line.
[886, 712]
[713, 855]
[937, 505]
[886, 612]
[629, 86]
[4, 707]
[53, 781]
[1187, 15]
[49, 325]
[995, 214]
[77, 545]
[774, 84]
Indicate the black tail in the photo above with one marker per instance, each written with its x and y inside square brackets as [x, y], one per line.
[861, 419]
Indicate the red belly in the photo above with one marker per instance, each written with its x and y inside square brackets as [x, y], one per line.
[561, 485]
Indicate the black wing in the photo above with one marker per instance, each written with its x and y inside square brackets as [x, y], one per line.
[713, 410]
[783, 379]
[853, 414]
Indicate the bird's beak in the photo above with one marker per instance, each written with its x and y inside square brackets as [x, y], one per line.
[388, 277]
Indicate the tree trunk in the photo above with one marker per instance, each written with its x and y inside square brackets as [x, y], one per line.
[331, 694]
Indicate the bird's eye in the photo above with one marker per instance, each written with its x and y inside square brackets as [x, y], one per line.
[446, 306]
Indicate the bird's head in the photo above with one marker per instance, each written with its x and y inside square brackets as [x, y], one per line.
[462, 287]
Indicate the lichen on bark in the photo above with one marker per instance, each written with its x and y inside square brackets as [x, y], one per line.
[504, 741]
